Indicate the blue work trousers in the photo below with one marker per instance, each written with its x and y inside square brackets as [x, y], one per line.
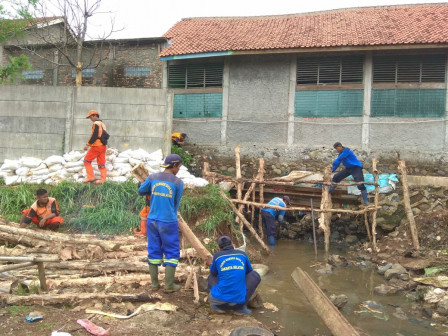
[357, 174]
[163, 243]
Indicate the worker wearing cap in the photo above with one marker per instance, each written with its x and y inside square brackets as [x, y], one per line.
[232, 281]
[269, 216]
[162, 229]
[178, 139]
[352, 166]
[97, 149]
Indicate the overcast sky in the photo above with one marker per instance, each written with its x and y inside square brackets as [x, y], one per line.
[147, 18]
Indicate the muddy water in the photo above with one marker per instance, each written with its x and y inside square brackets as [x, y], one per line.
[296, 315]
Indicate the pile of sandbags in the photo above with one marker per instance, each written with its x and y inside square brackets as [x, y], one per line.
[70, 166]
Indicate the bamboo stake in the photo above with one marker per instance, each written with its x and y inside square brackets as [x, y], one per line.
[314, 228]
[15, 266]
[261, 193]
[325, 204]
[366, 223]
[195, 288]
[194, 241]
[42, 279]
[239, 190]
[33, 259]
[377, 192]
[241, 216]
[407, 205]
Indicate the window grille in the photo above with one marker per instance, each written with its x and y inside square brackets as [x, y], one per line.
[33, 74]
[330, 70]
[409, 69]
[198, 75]
[86, 73]
[136, 71]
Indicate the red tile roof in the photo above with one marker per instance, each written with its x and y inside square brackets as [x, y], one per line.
[368, 26]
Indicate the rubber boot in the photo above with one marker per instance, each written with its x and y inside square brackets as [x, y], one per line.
[271, 240]
[103, 173]
[170, 286]
[243, 311]
[154, 273]
[364, 197]
[142, 228]
[89, 172]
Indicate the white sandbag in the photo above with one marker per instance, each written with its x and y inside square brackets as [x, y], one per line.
[62, 174]
[112, 173]
[125, 154]
[54, 159]
[72, 164]
[55, 167]
[110, 158]
[123, 170]
[39, 167]
[10, 179]
[111, 151]
[121, 160]
[152, 170]
[119, 179]
[44, 171]
[154, 164]
[49, 181]
[30, 162]
[10, 165]
[134, 162]
[75, 169]
[22, 171]
[109, 166]
[4, 173]
[38, 181]
[140, 154]
[200, 182]
[73, 156]
[184, 174]
[156, 156]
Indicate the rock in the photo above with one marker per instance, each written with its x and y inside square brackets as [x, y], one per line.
[385, 289]
[434, 295]
[337, 260]
[261, 269]
[327, 269]
[383, 269]
[365, 264]
[255, 301]
[231, 170]
[364, 257]
[400, 314]
[415, 264]
[277, 172]
[438, 318]
[339, 300]
[383, 255]
[442, 306]
[395, 271]
[351, 239]
[404, 277]
[393, 234]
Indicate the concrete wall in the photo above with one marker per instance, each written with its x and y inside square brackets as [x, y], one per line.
[42, 121]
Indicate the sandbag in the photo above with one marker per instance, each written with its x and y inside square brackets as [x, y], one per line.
[30, 162]
[73, 170]
[10, 179]
[10, 165]
[139, 154]
[156, 156]
[120, 159]
[22, 171]
[55, 167]
[73, 156]
[125, 154]
[119, 179]
[72, 164]
[43, 171]
[134, 162]
[54, 159]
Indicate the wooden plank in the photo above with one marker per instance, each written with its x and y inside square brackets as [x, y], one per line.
[15, 266]
[333, 319]
[32, 259]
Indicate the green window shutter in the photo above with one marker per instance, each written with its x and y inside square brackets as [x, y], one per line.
[330, 70]
[176, 76]
[408, 103]
[334, 103]
[307, 70]
[195, 75]
[213, 74]
[433, 68]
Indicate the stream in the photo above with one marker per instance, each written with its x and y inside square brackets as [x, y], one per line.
[297, 317]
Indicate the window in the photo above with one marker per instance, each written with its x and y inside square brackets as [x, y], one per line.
[330, 70]
[199, 75]
[86, 73]
[33, 74]
[137, 71]
[198, 105]
[409, 68]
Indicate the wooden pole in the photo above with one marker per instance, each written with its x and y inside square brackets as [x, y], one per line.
[325, 204]
[194, 241]
[16, 266]
[314, 228]
[241, 216]
[407, 204]
[239, 186]
[42, 279]
[366, 223]
[333, 319]
[33, 259]
[376, 199]
[261, 194]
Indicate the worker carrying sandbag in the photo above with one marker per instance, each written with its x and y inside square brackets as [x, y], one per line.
[44, 212]
[97, 143]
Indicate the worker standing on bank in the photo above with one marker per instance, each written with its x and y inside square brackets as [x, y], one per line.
[269, 215]
[97, 143]
[166, 191]
[352, 166]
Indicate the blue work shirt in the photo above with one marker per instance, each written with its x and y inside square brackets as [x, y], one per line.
[231, 267]
[166, 190]
[347, 158]
[274, 212]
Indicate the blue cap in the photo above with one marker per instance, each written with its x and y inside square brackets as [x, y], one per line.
[224, 241]
[171, 160]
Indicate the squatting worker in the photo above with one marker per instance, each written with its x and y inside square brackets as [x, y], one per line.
[165, 190]
[232, 281]
[144, 216]
[97, 148]
[178, 139]
[269, 215]
[352, 166]
[44, 212]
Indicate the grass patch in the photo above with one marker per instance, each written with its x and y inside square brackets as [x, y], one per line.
[18, 310]
[186, 157]
[46, 326]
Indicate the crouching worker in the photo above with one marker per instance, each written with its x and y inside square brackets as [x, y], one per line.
[44, 213]
[232, 281]
[144, 217]
[166, 191]
[269, 216]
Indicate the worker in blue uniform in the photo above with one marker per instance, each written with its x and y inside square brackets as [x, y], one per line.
[232, 281]
[166, 191]
[352, 166]
[269, 215]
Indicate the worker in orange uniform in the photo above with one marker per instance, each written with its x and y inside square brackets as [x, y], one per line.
[97, 143]
[144, 217]
[178, 139]
[44, 212]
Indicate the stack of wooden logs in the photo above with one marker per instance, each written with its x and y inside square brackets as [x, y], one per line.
[82, 266]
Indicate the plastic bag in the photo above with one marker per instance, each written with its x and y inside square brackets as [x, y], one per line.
[10, 165]
[30, 162]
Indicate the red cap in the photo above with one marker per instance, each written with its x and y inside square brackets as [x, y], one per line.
[91, 113]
